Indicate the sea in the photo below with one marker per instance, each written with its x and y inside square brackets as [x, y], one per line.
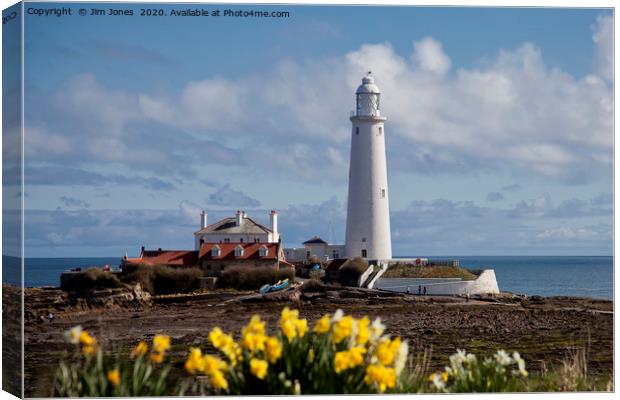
[585, 276]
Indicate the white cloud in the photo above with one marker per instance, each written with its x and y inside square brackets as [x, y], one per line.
[603, 37]
[429, 56]
[512, 113]
[226, 196]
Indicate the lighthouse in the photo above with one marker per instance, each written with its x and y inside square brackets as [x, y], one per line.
[368, 209]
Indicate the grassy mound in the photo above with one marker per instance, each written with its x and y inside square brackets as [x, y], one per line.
[404, 270]
[160, 279]
[350, 271]
[252, 278]
[91, 279]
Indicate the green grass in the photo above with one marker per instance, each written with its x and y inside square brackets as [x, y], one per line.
[428, 271]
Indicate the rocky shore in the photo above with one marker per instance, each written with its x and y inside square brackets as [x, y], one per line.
[543, 330]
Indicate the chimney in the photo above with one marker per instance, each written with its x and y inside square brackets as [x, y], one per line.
[203, 219]
[239, 216]
[274, 225]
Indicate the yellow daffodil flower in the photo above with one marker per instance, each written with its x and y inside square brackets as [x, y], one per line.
[363, 331]
[87, 340]
[322, 325]
[381, 376]
[157, 357]
[218, 381]
[349, 359]
[194, 362]
[258, 368]
[161, 343]
[114, 377]
[342, 329]
[273, 349]
[89, 350]
[140, 349]
[386, 351]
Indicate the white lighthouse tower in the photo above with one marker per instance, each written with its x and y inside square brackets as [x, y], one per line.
[368, 210]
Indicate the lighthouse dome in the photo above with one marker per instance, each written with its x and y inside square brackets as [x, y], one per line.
[368, 85]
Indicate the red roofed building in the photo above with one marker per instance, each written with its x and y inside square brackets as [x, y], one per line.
[213, 258]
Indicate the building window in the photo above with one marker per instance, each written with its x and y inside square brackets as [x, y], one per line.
[335, 254]
[364, 253]
[380, 131]
[357, 130]
[241, 240]
[226, 240]
[263, 251]
[239, 251]
[383, 193]
[363, 240]
[215, 251]
[307, 254]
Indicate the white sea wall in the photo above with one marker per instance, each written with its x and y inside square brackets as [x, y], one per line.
[485, 283]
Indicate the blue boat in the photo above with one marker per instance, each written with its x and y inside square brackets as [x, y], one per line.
[274, 288]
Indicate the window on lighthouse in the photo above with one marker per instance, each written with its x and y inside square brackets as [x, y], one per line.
[383, 193]
[357, 130]
[364, 253]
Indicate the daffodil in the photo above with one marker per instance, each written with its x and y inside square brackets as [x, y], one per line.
[258, 368]
[194, 362]
[342, 328]
[273, 349]
[140, 349]
[348, 359]
[161, 343]
[218, 381]
[114, 377]
[380, 376]
[401, 357]
[86, 340]
[322, 325]
[213, 364]
[89, 350]
[253, 341]
[157, 357]
[363, 331]
[255, 326]
[73, 335]
[290, 324]
[386, 350]
[302, 327]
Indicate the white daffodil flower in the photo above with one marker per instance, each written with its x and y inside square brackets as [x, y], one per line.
[438, 382]
[401, 357]
[337, 315]
[73, 335]
[503, 358]
[520, 363]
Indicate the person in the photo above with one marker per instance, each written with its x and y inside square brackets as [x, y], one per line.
[467, 298]
[424, 290]
[419, 290]
[408, 291]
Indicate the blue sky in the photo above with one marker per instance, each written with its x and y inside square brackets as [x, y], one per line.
[499, 131]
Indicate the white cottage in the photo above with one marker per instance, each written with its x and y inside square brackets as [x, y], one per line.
[237, 229]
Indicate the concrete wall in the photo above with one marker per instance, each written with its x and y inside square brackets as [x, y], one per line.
[323, 252]
[486, 283]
